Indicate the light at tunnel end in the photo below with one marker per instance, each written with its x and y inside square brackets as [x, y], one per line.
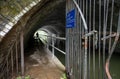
[42, 35]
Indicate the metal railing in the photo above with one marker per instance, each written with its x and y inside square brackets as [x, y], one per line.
[87, 41]
[52, 43]
[10, 64]
[12, 56]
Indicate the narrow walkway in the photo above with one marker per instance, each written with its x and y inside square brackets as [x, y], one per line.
[42, 65]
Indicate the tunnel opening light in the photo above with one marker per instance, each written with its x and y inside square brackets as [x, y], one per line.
[42, 35]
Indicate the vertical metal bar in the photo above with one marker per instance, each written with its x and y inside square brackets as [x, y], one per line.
[53, 51]
[7, 68]
[80, 37]
[89, 68]
[78, 24]
[85, 47]
[77, 42]
[99, 41]
[22, 54]
[70, 48]
[85, 59]
[69, 73]
[16, 57]
[78, 51]
[72, 55]
[83, 7]
[75, 45]
[86, 11]
[87, 37]
[73, 68]
[82, 33]
[66, 46]
[106, 5]
[112, 9]
[12, 64]
[70, 51]
[73, 50]
[104, 39]
[93, 41]
[111, 21]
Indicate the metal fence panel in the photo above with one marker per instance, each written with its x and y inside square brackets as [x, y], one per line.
[94, 33]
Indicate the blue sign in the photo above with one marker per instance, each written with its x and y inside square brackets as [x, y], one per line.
[70, 19]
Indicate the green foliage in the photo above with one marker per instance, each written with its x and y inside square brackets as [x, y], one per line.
[63, 76]
[26, 77]
[13, 7]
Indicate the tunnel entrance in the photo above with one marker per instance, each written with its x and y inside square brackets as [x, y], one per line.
[44, 54]
[40, 41]
[38, 37]
[46, 15]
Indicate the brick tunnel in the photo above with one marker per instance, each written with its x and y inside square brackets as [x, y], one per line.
[59, 39]
[46, 15]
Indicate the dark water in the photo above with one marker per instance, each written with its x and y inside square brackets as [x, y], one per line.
[60, 56]
[114, 65]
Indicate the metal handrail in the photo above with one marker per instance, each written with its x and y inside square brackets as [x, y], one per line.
[58, 49]
[56, 37]
[52, 45]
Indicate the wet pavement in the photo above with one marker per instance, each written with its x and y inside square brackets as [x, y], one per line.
[43, 65]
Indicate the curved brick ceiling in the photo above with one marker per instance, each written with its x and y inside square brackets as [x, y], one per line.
[11, 11]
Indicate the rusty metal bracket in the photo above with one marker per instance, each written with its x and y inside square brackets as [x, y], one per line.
[94, 32]
[109, 36]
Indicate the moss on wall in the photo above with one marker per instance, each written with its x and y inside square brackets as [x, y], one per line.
[10, 8]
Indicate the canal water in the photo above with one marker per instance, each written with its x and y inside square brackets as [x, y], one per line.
[114, 65]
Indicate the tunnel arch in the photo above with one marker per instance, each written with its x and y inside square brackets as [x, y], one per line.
[47, 12]
[53, 20]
